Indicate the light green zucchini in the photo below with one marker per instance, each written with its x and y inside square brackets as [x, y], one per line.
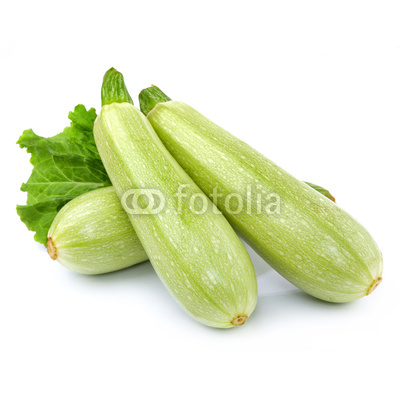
[307, 238]
[198, 256]
[92, 234]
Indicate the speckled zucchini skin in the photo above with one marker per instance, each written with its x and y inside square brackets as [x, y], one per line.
[312, 242]
[199, 258]
[93, 235]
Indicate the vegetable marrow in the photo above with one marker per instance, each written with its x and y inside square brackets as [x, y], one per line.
[306, 237]
[196, 254]
[93, 235]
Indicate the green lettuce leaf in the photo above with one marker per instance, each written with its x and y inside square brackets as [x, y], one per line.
[64, 166]
[323, 191]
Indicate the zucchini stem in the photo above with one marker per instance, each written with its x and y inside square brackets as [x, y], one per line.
[374, 285]
[240, 320]
[150, 97]
[113, 89]
[51, 249]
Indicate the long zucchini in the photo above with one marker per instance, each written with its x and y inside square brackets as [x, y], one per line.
[307, 238]
[198, 256]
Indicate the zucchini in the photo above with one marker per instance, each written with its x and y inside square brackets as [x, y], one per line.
[93, 235]
[304, 236]
[198, 256]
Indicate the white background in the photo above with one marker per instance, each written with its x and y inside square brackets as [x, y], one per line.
[315, 86]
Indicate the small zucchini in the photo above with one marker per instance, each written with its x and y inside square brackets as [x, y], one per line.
[199, 258]
[307, 238]
[93, 235]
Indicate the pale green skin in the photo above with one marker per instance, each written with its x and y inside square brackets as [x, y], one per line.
[199, 258]
[93, 235]
[313, 243]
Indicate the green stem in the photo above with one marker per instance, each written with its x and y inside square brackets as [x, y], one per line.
[113, 89]
[148, 98]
